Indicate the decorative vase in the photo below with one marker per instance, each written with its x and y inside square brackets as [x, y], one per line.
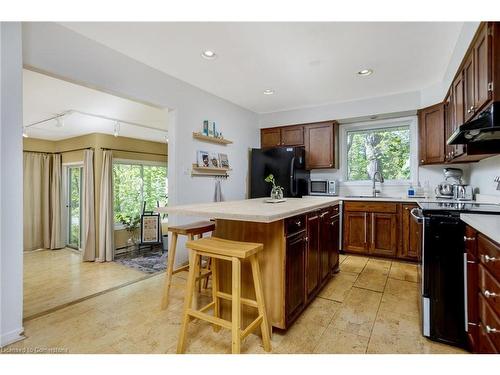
[276, 192]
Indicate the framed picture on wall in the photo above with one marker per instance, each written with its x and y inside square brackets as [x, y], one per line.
[223, 161]
[150, 228]
[202, 159]
[214, 160]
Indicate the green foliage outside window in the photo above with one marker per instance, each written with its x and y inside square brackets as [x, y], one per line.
[135, 183]
[387, 150]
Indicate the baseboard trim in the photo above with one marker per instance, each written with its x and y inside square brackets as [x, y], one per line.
[11, 337]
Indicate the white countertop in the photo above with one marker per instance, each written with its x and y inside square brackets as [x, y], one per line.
[489, 225]
[255, 210]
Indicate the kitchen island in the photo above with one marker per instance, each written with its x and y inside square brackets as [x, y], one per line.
[301, 249]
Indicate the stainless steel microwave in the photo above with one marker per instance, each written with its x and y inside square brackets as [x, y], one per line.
[323, 187]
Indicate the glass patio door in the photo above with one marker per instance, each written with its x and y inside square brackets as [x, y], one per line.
[74, 206]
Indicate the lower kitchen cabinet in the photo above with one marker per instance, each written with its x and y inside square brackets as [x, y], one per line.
[411, 235]
[312, 256]
[483, 293]
[383, 234]
[371, 228]
[295, 286]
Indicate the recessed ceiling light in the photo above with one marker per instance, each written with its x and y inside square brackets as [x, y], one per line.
[208, 54]
[365, 72]
[268, 92]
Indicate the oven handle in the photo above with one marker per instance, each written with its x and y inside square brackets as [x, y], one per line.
[416, 213]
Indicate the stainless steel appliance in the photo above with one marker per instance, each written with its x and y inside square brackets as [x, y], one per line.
[323, 187]
[287, 164]
[483, 131]
[462, 192]
[443, 269]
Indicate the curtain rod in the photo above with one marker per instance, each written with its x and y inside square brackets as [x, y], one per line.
[134, 152]
[61, 152]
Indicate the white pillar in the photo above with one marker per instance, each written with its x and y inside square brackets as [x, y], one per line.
[11, 183]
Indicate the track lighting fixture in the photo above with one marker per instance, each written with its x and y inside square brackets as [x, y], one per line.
[116, 131]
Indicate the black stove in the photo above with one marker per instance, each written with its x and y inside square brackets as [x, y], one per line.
[466, 207]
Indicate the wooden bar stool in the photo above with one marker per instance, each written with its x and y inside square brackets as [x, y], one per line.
[190, 230]
[234, 252]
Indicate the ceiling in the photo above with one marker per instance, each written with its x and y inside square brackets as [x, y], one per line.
[45, 97]
[306, 63]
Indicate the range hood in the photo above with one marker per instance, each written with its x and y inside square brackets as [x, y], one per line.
[485, 130]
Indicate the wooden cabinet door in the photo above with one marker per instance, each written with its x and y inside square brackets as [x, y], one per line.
[472, 302]
[469, 87]
[312, 255]
[356, 232]
[325, 244]
[335, 242]
[431, 134]
[295, 288]
[448, 120]
[458, 109]
[384, 238]
[319, 142]
[270, 137]
[411, 232]
[292, 136]
[482, 69]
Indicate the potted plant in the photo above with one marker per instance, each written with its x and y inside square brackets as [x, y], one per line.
[131, 224]
[276, 190]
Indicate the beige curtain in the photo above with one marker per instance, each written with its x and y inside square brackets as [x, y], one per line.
[106, 216]
[42, 201]
[88, 213]
[56, 236]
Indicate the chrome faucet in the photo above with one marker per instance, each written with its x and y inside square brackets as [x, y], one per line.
[377, 177]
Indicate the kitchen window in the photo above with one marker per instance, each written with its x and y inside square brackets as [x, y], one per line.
[387, 146]
[136, 182]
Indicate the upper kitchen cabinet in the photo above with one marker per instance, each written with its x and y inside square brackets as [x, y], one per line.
[282, 136]
[431, 129]
[270, 137]
[292, 136]
[320, 141]
[483, 85]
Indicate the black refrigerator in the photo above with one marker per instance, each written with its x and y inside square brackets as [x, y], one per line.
[286, 164]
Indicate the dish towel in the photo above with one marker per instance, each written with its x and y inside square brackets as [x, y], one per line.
[218, 192]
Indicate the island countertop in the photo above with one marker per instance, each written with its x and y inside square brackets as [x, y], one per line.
[254, 210]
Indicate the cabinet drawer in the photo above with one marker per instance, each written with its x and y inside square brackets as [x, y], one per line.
[489, 288]
[384, 207]
[490, 321]
[485, 344]
[489, 255]
[295, 224]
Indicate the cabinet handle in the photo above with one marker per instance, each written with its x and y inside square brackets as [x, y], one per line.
[373, 229]
[366, 226]
[422, 160]
[306, 239]
[489, 294]
[491, 330]
[298, 223]
[469, 111]
[487, 258]
[469, 238]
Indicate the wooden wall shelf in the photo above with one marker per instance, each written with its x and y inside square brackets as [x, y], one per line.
[206, 138]
[209, 171]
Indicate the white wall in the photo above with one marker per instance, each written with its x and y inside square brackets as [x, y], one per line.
[11, 182]
[483, 173]
[61, 52]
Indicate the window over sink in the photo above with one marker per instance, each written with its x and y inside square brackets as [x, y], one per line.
[388, 146]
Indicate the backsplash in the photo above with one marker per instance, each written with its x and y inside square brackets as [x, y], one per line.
[483, 173]
[433, 174]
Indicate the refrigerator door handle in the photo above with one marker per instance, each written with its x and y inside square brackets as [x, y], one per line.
[293, 191]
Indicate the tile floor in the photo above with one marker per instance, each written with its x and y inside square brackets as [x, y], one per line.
[370, 306]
